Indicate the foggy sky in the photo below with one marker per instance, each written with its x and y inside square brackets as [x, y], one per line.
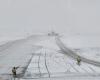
[19, 17]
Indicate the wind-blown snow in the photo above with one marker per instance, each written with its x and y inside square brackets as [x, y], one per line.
[47, 59]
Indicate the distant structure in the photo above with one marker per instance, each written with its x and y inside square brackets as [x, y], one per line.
[53, 34]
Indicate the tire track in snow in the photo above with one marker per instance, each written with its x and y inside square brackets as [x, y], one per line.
[46, 65]
[73, 55]
[39, 64]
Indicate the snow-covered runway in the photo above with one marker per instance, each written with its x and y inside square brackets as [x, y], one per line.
[43, 59]
[47, 63]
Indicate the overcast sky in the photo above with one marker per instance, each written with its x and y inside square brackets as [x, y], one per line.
[19, 17]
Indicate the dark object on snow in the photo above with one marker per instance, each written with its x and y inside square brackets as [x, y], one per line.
[14, 71]
[78, 60]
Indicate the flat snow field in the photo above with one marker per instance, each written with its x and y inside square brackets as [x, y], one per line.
[48, 63]
[43, 61]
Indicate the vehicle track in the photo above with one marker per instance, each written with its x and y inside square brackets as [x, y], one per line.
[46, 65]
[73, 55]
[39, 65]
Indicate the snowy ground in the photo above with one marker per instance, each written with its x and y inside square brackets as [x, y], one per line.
[47, 61]
[92, 53]
[17, 53]
[50, 64]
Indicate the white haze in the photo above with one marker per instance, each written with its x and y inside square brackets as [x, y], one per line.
[69, 17]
